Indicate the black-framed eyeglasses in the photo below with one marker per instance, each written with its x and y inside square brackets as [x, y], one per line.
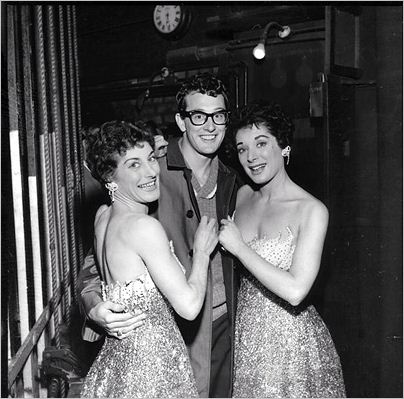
[199, 118]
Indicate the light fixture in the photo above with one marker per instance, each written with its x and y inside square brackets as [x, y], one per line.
[283, 32]
[259, 51]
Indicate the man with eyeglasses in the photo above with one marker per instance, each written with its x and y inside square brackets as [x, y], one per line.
[193, 183]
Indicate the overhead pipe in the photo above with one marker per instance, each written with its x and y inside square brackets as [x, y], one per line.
[195, 54]
[210, 54]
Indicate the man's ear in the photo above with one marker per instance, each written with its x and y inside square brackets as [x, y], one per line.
[180, 122]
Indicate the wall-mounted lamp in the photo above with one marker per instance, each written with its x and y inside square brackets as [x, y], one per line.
[283, 32]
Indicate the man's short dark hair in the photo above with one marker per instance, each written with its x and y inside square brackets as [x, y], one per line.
[204, 83]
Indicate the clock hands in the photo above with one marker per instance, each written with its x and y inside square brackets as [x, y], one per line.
[170, 20]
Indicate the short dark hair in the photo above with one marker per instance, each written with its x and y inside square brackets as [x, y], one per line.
[204, 83]
[271, 116]
[153, 128]
[110, 140]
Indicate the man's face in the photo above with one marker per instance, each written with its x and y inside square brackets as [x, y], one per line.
[207, 138]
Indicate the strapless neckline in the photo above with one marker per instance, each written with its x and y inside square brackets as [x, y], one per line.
[277, 238]
[141, 277]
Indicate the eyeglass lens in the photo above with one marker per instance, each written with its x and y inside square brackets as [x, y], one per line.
[199, 118]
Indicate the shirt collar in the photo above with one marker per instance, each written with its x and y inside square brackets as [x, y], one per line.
[175, 159]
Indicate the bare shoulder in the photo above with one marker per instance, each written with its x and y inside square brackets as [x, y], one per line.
[142, 227]
[311, 207]
[243, 193]
[142, 224]
[102, 212]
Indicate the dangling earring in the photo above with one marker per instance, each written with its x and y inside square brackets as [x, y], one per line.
[111, 187]
[286, 153]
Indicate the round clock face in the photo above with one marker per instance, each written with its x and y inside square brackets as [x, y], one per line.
[167, 19]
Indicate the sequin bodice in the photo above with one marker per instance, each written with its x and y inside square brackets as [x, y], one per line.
[281, 351]
[140, 293]
[279, 252]
[152, 362]
[276, 250]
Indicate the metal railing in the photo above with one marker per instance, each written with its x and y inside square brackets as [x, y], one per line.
[41, 130]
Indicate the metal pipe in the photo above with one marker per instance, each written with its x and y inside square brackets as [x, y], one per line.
[31, 136]
[245, 75]
[195, 54]
[31, 340]
[237, 91]
[236, 73]
[32, 155]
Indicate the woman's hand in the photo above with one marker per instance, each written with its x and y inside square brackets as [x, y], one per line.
[229, 236]
[206, 236]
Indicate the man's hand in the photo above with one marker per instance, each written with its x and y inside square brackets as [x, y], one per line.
[160, 146]
[109, 316]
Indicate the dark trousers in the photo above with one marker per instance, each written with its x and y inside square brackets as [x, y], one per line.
[220, 372]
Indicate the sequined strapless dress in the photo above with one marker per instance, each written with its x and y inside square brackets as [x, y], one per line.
[153, 361]
[281, 351]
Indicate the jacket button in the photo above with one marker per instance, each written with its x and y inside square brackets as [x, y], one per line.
[191, 253]
[190, 213]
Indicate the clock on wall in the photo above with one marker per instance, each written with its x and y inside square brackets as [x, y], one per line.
[171, 21]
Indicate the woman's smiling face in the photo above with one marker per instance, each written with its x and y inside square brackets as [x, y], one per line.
[137, 174]
[259, 153]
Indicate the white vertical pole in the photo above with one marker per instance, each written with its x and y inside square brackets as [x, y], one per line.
[36, 256]
[20, 245]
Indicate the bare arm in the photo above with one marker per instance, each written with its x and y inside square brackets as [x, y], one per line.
[294, 284]
[185, 295]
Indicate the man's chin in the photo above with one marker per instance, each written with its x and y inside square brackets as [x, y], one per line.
[209, 148]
